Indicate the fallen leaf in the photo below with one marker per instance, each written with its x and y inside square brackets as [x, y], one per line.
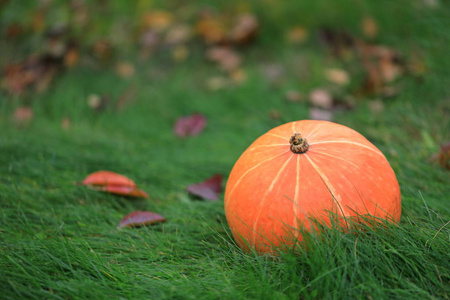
[245, 29]
[444, 156]
[126, 97]
[158, 20]
[320, 114]
[125, 69]
[297, 35]
[369, 27]
[275, 114]
[13, 31]
[180, 53]
[141, 218]
[376, 106]
[337, 76]
[23, 115]
[35, 71]
[321, 98]
[124, 191]
[98, 102]
[179, 34]
[103, 51]
[338, 41]
[114, 183]
[216, 83]
[208, 189]
[273, 72]
[382, 64]
[190, 125]
[66, 123]
[228, 59]
[238, 76]
[211, 29]
[71, 57]
[431, 3]
[104, 178]
[293, 96]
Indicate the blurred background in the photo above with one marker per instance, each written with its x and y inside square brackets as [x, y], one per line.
[328, 55]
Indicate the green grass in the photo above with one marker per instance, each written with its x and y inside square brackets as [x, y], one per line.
[60, 241]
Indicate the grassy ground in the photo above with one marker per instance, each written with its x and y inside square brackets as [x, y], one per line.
[60, 241]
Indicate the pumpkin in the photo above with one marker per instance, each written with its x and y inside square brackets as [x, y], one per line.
[302, 171]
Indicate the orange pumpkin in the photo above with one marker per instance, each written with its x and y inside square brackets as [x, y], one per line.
[303, 170]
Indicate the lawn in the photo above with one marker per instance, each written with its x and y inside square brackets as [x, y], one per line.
[81, 94]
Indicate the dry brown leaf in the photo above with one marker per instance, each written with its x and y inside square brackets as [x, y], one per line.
[431, 3]
[13, 31]
[158, 20]
[125, 69]
[337, 76]
[180, 53]
[274, 73]
[36, 72]
[369, 27]
[321, 98]
[98, 102]
[126, 97]
[71, 57]
[293, 96]
[275, 114]
[382, 65]
[320, 114]
[238, 76]
[339, 42]
[228, 59]
[23, 115]
[66, 123]
[245, 29]
[211, 29]
[444, 156]
[103, 51]
[216, 83]
[297, 35]
[178, 34]
[376, 106]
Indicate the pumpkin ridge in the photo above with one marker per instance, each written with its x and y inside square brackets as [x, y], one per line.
[259, 209]
[254, 167]
[336, 198]
[280, 136]
[323, 153]
[263, 146]
[293, 127]
[348, 142]
[310, 134]
[350, 182]
[295, 205]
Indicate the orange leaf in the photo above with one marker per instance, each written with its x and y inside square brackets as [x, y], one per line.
[125, 191]
[110, 182]
[108, 178]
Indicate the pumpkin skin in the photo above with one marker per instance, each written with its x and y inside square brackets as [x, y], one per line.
[273, 192]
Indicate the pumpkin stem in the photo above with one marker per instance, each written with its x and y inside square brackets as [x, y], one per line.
[298, 144]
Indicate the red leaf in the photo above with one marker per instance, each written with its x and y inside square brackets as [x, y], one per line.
[190, 125]
[208, 189]
[444, 156]
[141, 218]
